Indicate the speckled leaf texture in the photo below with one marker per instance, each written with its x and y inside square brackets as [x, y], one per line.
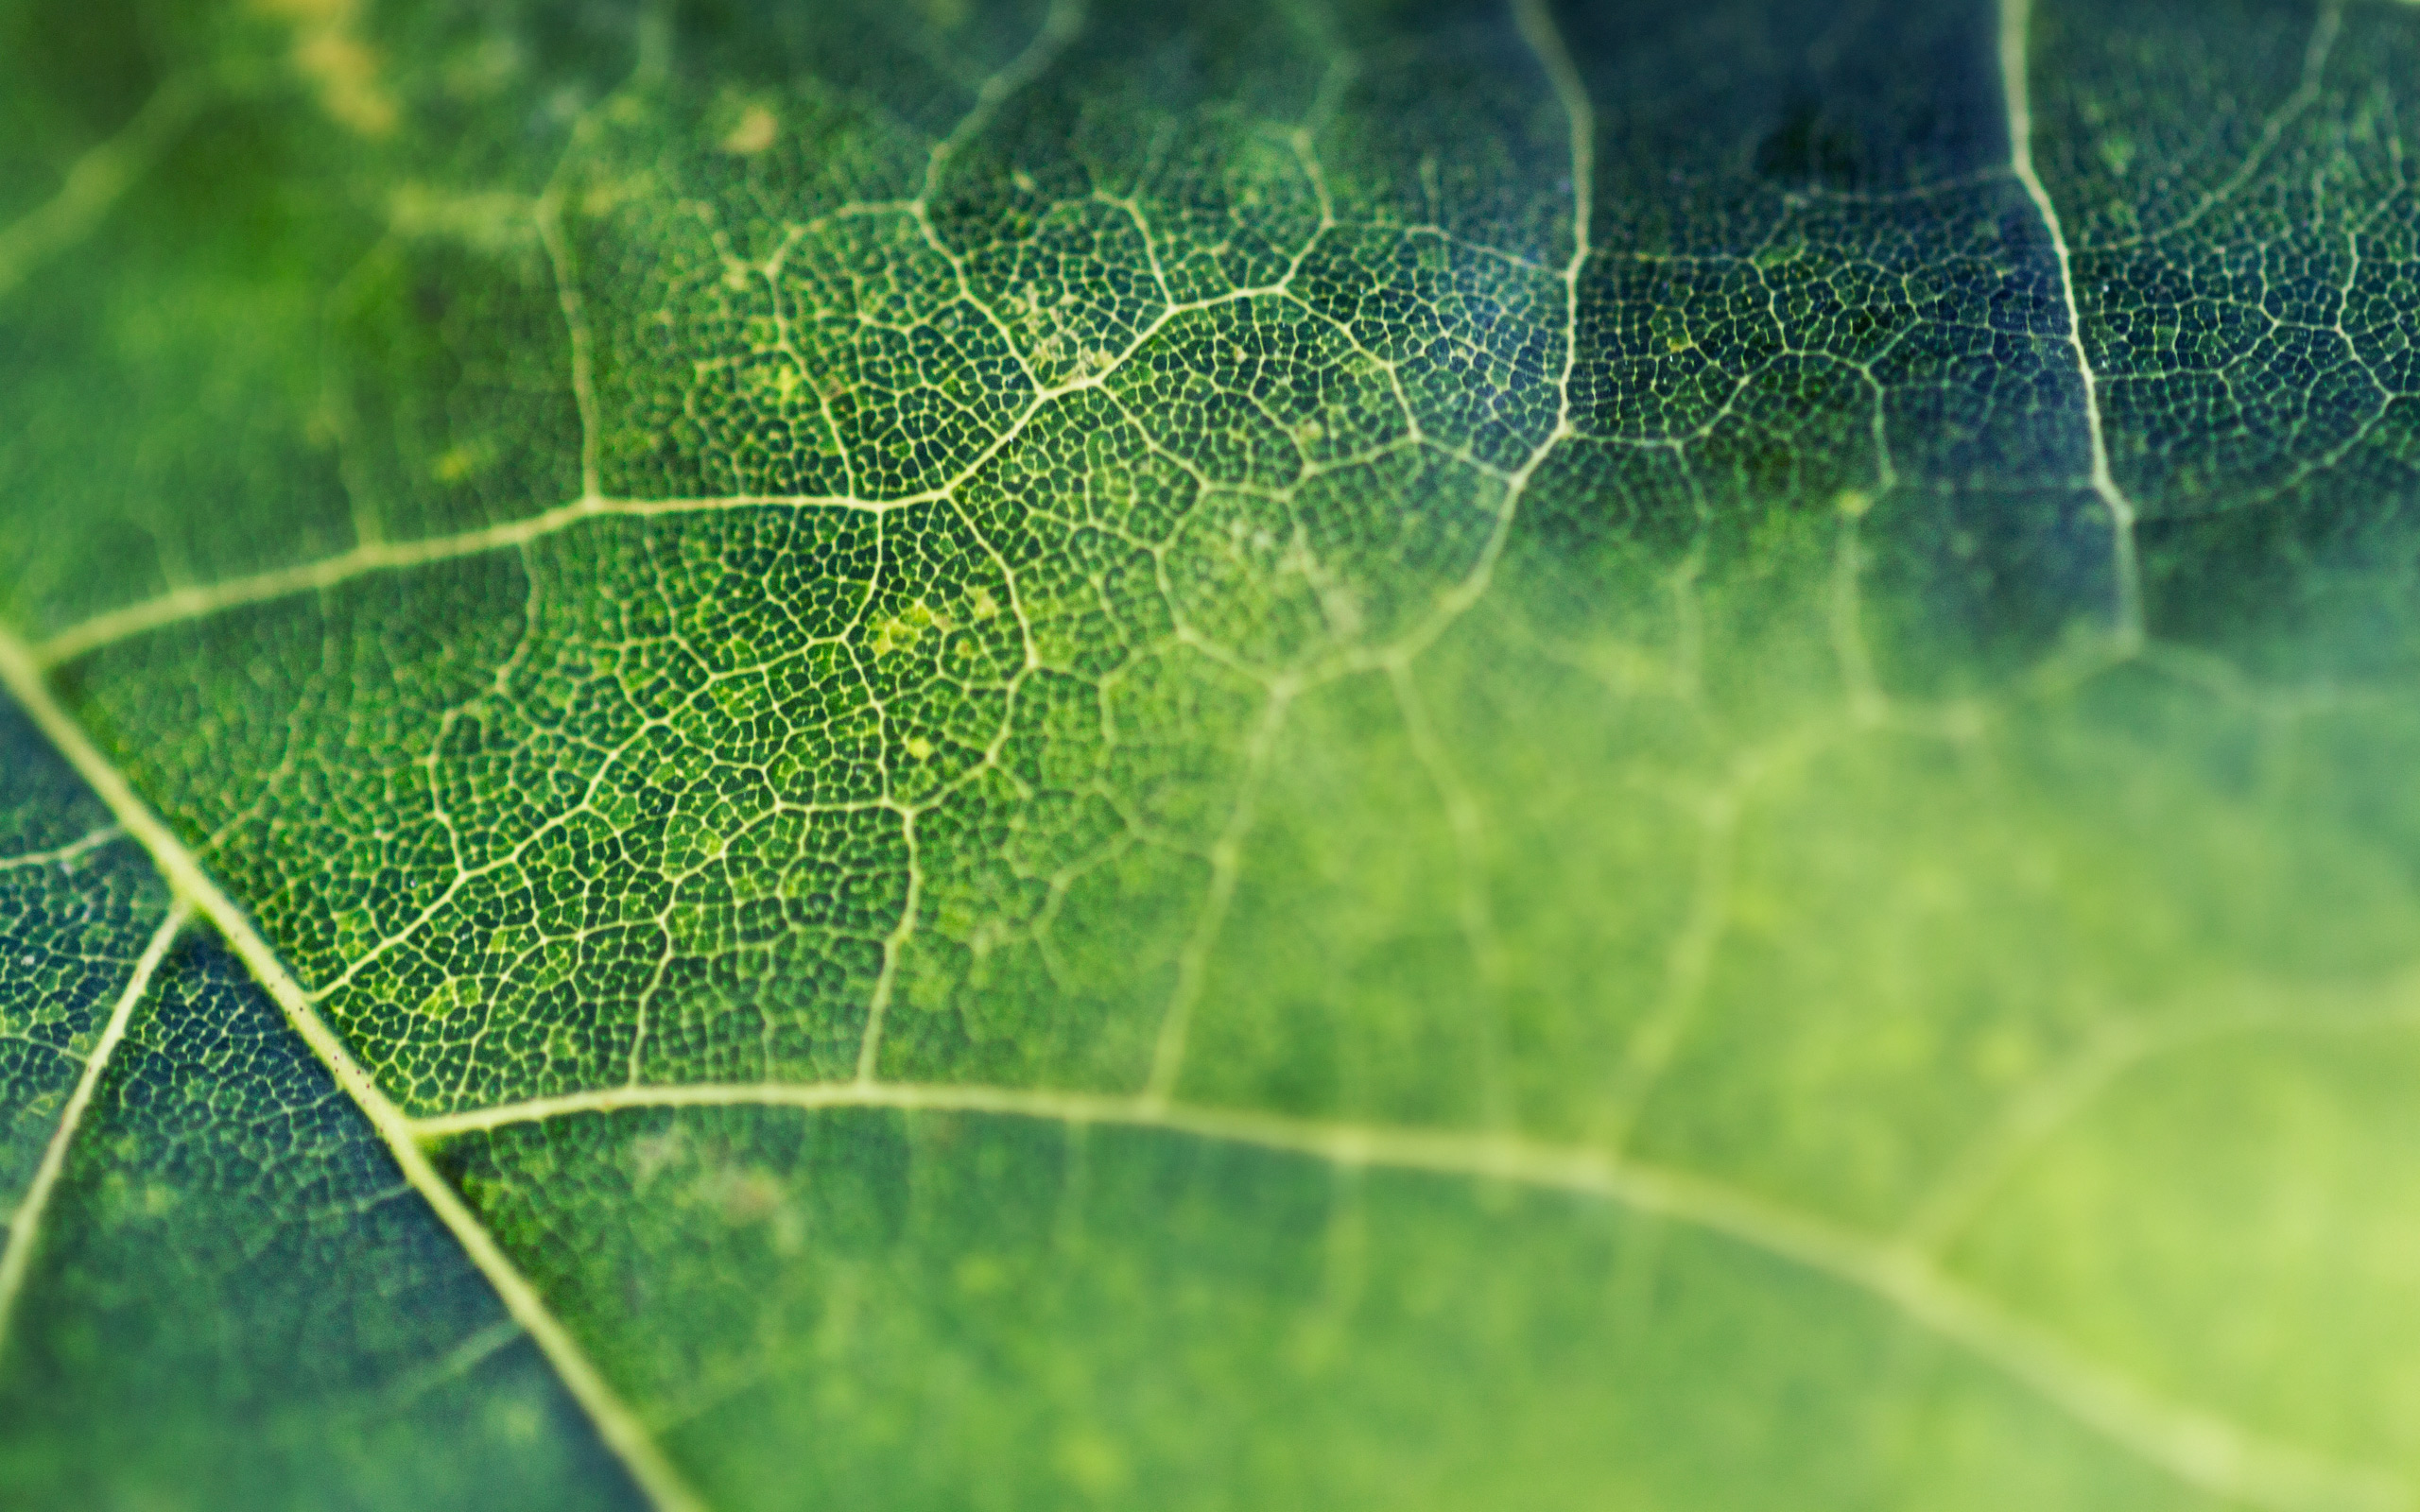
[1633, 755]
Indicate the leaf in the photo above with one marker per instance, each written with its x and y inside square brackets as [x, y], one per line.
[1324, 755]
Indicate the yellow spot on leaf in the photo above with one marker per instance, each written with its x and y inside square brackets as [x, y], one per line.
[1091, 1462]
[905, 628]
[981, 1274]
[458, 462]
[755, 132]
[743, 1197]
[342, 68]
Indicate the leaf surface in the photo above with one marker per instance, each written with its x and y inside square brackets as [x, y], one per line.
[1331, 755]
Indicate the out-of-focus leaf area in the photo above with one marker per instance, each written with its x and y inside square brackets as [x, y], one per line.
[1646, 754]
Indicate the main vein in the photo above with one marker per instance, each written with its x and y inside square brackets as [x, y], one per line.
[26, 1220]
[616, 1422]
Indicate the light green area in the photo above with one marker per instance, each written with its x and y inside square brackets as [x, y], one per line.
[1538, 851]
[968, 1314]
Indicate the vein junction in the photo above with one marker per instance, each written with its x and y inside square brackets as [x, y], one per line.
[197, 891]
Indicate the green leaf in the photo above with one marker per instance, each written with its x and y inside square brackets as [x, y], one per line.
[1310, 754]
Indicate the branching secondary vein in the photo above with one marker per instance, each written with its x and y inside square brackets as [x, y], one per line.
[60, 855]
[2016, 18]
[2058, 1099]
[2197, 1447]
[25, 1222]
